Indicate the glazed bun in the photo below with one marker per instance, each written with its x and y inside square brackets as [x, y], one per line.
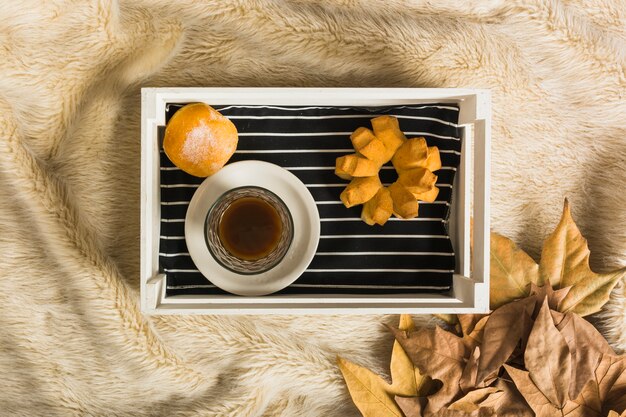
[199, 140]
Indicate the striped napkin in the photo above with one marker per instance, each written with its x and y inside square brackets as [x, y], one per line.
[403, 256]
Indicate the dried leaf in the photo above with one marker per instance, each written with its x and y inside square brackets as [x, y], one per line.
[548, 359]
[546, 291]
[586, 346]
[469, 322]
[565, 263]
[451, 319]
[481, 412]
[411, 406]
[545, 385]
[468, 380]
[502, 332]
[533, 396]
[591, 294]
[407, 381]
[512, 270]
[369, 392]
[474, 337]
[440, 355]
[607, 390]
[510, 403]
[527, 327]
[555, 298]
[473, 399]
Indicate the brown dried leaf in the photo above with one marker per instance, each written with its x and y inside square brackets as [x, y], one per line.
[439, 354]
[481, 412]
[533, 396]
[502, 332]
[512, 270]
[472, 400]
[548, 359]
[546, 291]
[510, 403]
[586, 346]
[369, 391]
[565, 263]
[607, 390]
[545, 386]
[407, 381]
[474, 337]
[468, 377]
[469, 321]
[555, 298]
[411, 406]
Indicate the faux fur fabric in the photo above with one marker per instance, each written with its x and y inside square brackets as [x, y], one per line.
[72, 338]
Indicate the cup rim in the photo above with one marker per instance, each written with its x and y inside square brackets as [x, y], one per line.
[219, 199]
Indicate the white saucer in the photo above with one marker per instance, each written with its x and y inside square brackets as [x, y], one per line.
[306, 223]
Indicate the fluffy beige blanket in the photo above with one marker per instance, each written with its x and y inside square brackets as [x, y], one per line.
[72, 339]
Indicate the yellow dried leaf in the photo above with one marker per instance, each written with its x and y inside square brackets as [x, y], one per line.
[407, 381]
[512, 270]
[441, 355]
[369, 392]
[451, 319]
[564, 263]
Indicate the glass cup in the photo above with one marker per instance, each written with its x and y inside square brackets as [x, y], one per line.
[227, 259]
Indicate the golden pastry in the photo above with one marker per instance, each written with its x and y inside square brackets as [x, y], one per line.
[378, 209]
[387, 129]
[418, 180]
[355, 165]
[368, 145]
[404, 202]
[413, 160]
[360, 190]
[412, 154]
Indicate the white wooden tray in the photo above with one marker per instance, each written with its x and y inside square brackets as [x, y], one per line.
[470, 291]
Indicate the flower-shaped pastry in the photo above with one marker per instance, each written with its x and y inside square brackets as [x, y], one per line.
[413, 160]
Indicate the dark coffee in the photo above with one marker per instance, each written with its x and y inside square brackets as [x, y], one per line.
[250, 228]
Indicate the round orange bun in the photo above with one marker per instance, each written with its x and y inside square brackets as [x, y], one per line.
[199, 140]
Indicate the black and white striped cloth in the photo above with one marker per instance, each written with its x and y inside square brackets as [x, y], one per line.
[352, 257]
